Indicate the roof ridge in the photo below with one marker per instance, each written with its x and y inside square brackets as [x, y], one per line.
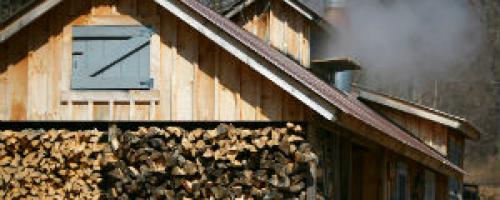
[332, 95]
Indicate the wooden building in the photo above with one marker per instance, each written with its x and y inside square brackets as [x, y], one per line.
[176, 60]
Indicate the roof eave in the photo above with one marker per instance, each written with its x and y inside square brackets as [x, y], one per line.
[470, 131]
[301, 9]
[441, 165]
[457, 123]
[26, 19]
[294, 79]
[248, 56]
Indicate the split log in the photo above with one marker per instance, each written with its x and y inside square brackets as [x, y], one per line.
[156, 163]
[50, 164]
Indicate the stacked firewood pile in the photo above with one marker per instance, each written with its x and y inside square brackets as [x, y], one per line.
[171, 163]
[51, 165]
[223, 163]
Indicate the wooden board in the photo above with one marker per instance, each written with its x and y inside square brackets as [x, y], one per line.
[305, 46]
[54, 74]
[433, 134]
[292, 109]
[183, 74]
[293, 30]
[101, 111]
[121, 111]
[262, 26]
[127, 7]
[80, 111]
[168, 51]
[3, 99]
[194, 79]
[39, 47]
[146, 8]
[277, 25]
[250, 94]
[18, 80]
[229, 77]
[281, 26]
[272, 102]
[102, 7]
[141, 111]
[204, 85]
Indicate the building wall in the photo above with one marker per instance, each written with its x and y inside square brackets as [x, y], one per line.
[194, 79]
[280, 25]
[433, 134]
[356, 168]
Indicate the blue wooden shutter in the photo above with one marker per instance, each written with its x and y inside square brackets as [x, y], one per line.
[111, 57]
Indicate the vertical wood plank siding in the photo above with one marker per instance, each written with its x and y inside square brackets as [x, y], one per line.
[194, 78]
[433, 134]
[280, 25]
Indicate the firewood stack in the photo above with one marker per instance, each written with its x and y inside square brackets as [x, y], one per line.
[51, 165]
[223, 163]
[154, 163]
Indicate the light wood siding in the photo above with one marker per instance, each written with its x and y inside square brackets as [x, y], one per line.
[280, 25]
[194, 79]
[433, 134]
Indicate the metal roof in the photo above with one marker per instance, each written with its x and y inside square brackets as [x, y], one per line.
[446, 119]
[351, 106]
[337, 64]
[315, 6]
[348, 105]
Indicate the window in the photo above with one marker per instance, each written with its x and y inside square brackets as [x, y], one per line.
[401, 181]
[430, 185]
[111, 57]
[455, 152]
[455, 155]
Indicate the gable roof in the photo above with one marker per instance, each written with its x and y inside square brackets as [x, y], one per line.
[285, 73]
[311, 9]
[317, 7]
[10, 29]
[454, 122]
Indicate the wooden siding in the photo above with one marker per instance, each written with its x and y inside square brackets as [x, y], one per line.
[194, 79]
[280, 25]
[364, 168]
[433, 134]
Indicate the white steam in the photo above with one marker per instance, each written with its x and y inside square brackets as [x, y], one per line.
[410, 38]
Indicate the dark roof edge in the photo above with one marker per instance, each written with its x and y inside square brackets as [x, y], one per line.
[343, 102]
[296, 72]
[299, 6]
[27, 18]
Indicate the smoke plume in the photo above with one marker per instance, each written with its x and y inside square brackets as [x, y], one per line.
[417, 39]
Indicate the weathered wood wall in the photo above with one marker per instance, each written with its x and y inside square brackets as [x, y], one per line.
[280, 25]
[433, 134]
[194, 79]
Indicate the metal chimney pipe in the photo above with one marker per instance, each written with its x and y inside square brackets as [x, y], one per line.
[338, 71]
[343, 80]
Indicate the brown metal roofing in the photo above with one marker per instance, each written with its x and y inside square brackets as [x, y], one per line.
[351, 106]
[452, 121]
